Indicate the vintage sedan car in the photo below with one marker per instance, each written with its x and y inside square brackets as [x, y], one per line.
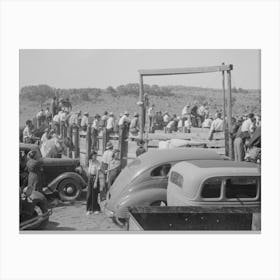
[214, 183]
[34, 211]
[144, 181]
[59, 174]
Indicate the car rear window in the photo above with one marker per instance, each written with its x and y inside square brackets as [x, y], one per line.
[242, 187]
[176, 179]
[161, 171]
[212, 188]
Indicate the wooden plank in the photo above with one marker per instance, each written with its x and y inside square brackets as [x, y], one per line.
[187, 70]
[192, 209]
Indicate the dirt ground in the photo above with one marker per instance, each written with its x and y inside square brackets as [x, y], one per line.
[72, 217]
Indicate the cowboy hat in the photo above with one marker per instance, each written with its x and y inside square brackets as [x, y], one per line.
[109, 145]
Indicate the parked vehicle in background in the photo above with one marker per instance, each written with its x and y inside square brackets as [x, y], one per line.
[62, 175]
[34, 211]
[144, 181]
[214, 183]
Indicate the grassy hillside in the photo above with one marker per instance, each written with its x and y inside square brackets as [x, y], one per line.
[171, 99]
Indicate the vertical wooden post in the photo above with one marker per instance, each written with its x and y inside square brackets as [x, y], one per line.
[229, 114]
[76, 141]
[88, 143]
[224, 114]
[70, 135]
[123, 145]
[104, 139]
[142, 107]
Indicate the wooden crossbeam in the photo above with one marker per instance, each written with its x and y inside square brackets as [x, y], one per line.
[187, 70]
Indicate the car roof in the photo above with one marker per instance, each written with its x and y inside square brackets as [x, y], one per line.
[195, 172]
[158, 156]
[27, 146]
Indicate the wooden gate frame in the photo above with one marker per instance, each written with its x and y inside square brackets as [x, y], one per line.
[227, 110]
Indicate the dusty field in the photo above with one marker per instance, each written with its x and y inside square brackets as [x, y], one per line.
[72, 217]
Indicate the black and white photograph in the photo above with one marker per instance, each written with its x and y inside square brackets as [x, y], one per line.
[140, 140]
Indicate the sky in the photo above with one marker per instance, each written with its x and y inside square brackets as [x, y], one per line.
[113, 67]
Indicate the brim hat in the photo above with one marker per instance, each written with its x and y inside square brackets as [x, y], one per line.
[109, 145]
[126, 113]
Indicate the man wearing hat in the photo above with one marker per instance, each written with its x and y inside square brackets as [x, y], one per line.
[124, 120]
[134, 125]
[93, 185]
[27, 132]
[95, 131]
[105, 162]
[110, 124]
[84, 122]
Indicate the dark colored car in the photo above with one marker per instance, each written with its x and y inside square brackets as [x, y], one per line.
[34, 211]
[63, 175]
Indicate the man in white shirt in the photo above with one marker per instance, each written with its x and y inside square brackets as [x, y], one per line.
[186, 110]
[56, 124]
[95, 131]
[27, 132]
[110, 124]
[247, 124]
[134, 125]
[124, 119]
[216, 126]
[166, 119]
[84, 122]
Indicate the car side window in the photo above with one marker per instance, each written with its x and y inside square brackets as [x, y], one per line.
[241, 187]
[212, 188]
[161, 171]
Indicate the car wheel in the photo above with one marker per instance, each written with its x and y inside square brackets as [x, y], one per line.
[159, 203]
[69, 190]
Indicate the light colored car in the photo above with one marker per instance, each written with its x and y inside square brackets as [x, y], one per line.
[144, 181]
[214, 183]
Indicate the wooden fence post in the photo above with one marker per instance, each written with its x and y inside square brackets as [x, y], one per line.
[88, 144]
[70, 135]
[229, 114]
[104, 139]
[224, 114]
[76, 138]
[123, 145]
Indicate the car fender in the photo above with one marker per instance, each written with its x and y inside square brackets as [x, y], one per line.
[141, 198]
[37, 196]
[66, 175]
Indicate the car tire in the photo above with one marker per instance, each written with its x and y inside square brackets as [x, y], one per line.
[69, 190]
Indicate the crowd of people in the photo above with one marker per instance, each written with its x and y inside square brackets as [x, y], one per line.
[54, 122]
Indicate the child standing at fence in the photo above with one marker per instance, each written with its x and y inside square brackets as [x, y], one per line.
[93, 185]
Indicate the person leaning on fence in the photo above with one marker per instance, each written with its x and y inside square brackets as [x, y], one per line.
[92, 205]
[216, 126]
[103, 120]
[140, 150]
[151, 115]
[134, 125]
